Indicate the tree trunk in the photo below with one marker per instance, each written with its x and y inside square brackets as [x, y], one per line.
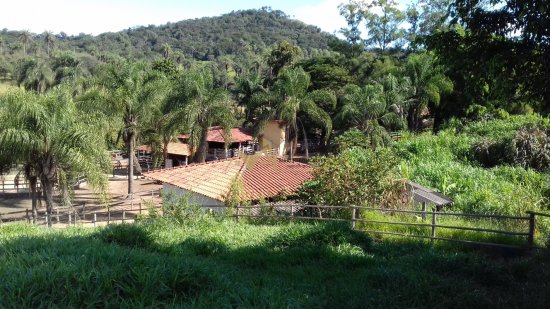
[32, 185]
[131, 155]
[48, 190]
[305, 140]
[200, 155]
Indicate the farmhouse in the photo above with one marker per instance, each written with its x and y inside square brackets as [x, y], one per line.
[252, 178]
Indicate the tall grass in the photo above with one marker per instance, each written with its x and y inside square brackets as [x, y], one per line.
[441, 162]
[213, 263]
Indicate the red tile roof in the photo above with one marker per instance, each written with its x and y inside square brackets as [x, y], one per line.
[179, 149]
[215, 134]
[261, 177]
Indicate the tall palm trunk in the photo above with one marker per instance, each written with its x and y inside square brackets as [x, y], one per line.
[306, 144]
[48, 190]
[200, 155]
[130, 147]
[34, 197]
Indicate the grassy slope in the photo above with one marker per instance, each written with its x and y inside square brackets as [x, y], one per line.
[218, 263]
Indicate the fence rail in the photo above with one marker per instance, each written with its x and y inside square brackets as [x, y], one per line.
[282, 211]
[127, 210]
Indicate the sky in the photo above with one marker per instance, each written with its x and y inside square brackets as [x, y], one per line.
[98, 16]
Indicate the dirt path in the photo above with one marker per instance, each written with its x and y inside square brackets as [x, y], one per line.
[118, 188]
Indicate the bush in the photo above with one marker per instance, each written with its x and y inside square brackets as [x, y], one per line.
[354, 177]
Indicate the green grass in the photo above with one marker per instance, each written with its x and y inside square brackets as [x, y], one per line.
[214, 263]
[4, 87]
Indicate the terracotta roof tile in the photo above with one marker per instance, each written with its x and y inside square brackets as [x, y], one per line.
[215, 134]
[261, 176]
[179, 149]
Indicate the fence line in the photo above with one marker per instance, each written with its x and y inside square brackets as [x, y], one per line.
[128, 212]
[283, 213]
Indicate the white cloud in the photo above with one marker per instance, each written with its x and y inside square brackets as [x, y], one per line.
[325, 15]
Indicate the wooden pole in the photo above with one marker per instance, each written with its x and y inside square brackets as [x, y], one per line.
[57, 215]
[353, 216]
[95, 218]
[75, 217]
[123, 216]
[423, 211]
[531, 237]
[69, 218]
[140, 208]
[434, 222]
[108, 216]
[27, 216]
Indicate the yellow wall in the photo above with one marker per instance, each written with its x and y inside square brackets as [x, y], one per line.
[273, 137]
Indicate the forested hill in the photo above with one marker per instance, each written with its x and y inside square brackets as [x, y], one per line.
[238, 32]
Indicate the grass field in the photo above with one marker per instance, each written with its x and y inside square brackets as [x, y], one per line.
[213, 263]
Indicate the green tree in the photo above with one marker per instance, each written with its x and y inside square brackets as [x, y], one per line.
[49, 41]
[25, 37]
[34, 75]
[428, 84]
[383, 28]
[130, 92]
[198, 104]
[356, 176]
[284, 55]
[353, 13]
[46, 133]
[291, 102]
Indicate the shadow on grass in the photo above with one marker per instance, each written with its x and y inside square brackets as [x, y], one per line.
[296, 265]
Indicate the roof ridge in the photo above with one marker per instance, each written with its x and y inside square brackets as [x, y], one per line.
[190, 165]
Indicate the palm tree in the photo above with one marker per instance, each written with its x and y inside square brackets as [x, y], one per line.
[166, 50]
[25, 38]
[291, 102]
[362, 106]
[371, 108]
[199, 105]
[45, 132]
[130, 92]
[49, 40]
[428, 84]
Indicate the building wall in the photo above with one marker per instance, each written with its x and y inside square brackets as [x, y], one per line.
[273, 137]
[194, 198]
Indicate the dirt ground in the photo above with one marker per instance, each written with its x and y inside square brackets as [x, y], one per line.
[118, 188]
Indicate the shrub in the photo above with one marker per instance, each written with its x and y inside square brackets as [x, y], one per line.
[354, 177]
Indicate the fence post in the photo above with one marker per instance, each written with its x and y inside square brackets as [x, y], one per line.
[27, 216]
[353, 215]
[140, 208]
[57, 215]
[84, 211]
[531, 237]
[108, 216]
[291, 212]
[434, 222]
[69, 218]
[423, 211]
[123, 215]
[75, 217]
[95, 218]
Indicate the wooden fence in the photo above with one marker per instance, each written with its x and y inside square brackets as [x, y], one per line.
[127, 210]
[122, 209]
[296, 212]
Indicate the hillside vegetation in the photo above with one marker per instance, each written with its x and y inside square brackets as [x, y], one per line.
[211, 262]
[244, 33]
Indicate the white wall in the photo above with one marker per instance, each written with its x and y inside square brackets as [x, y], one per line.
[194, 198]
